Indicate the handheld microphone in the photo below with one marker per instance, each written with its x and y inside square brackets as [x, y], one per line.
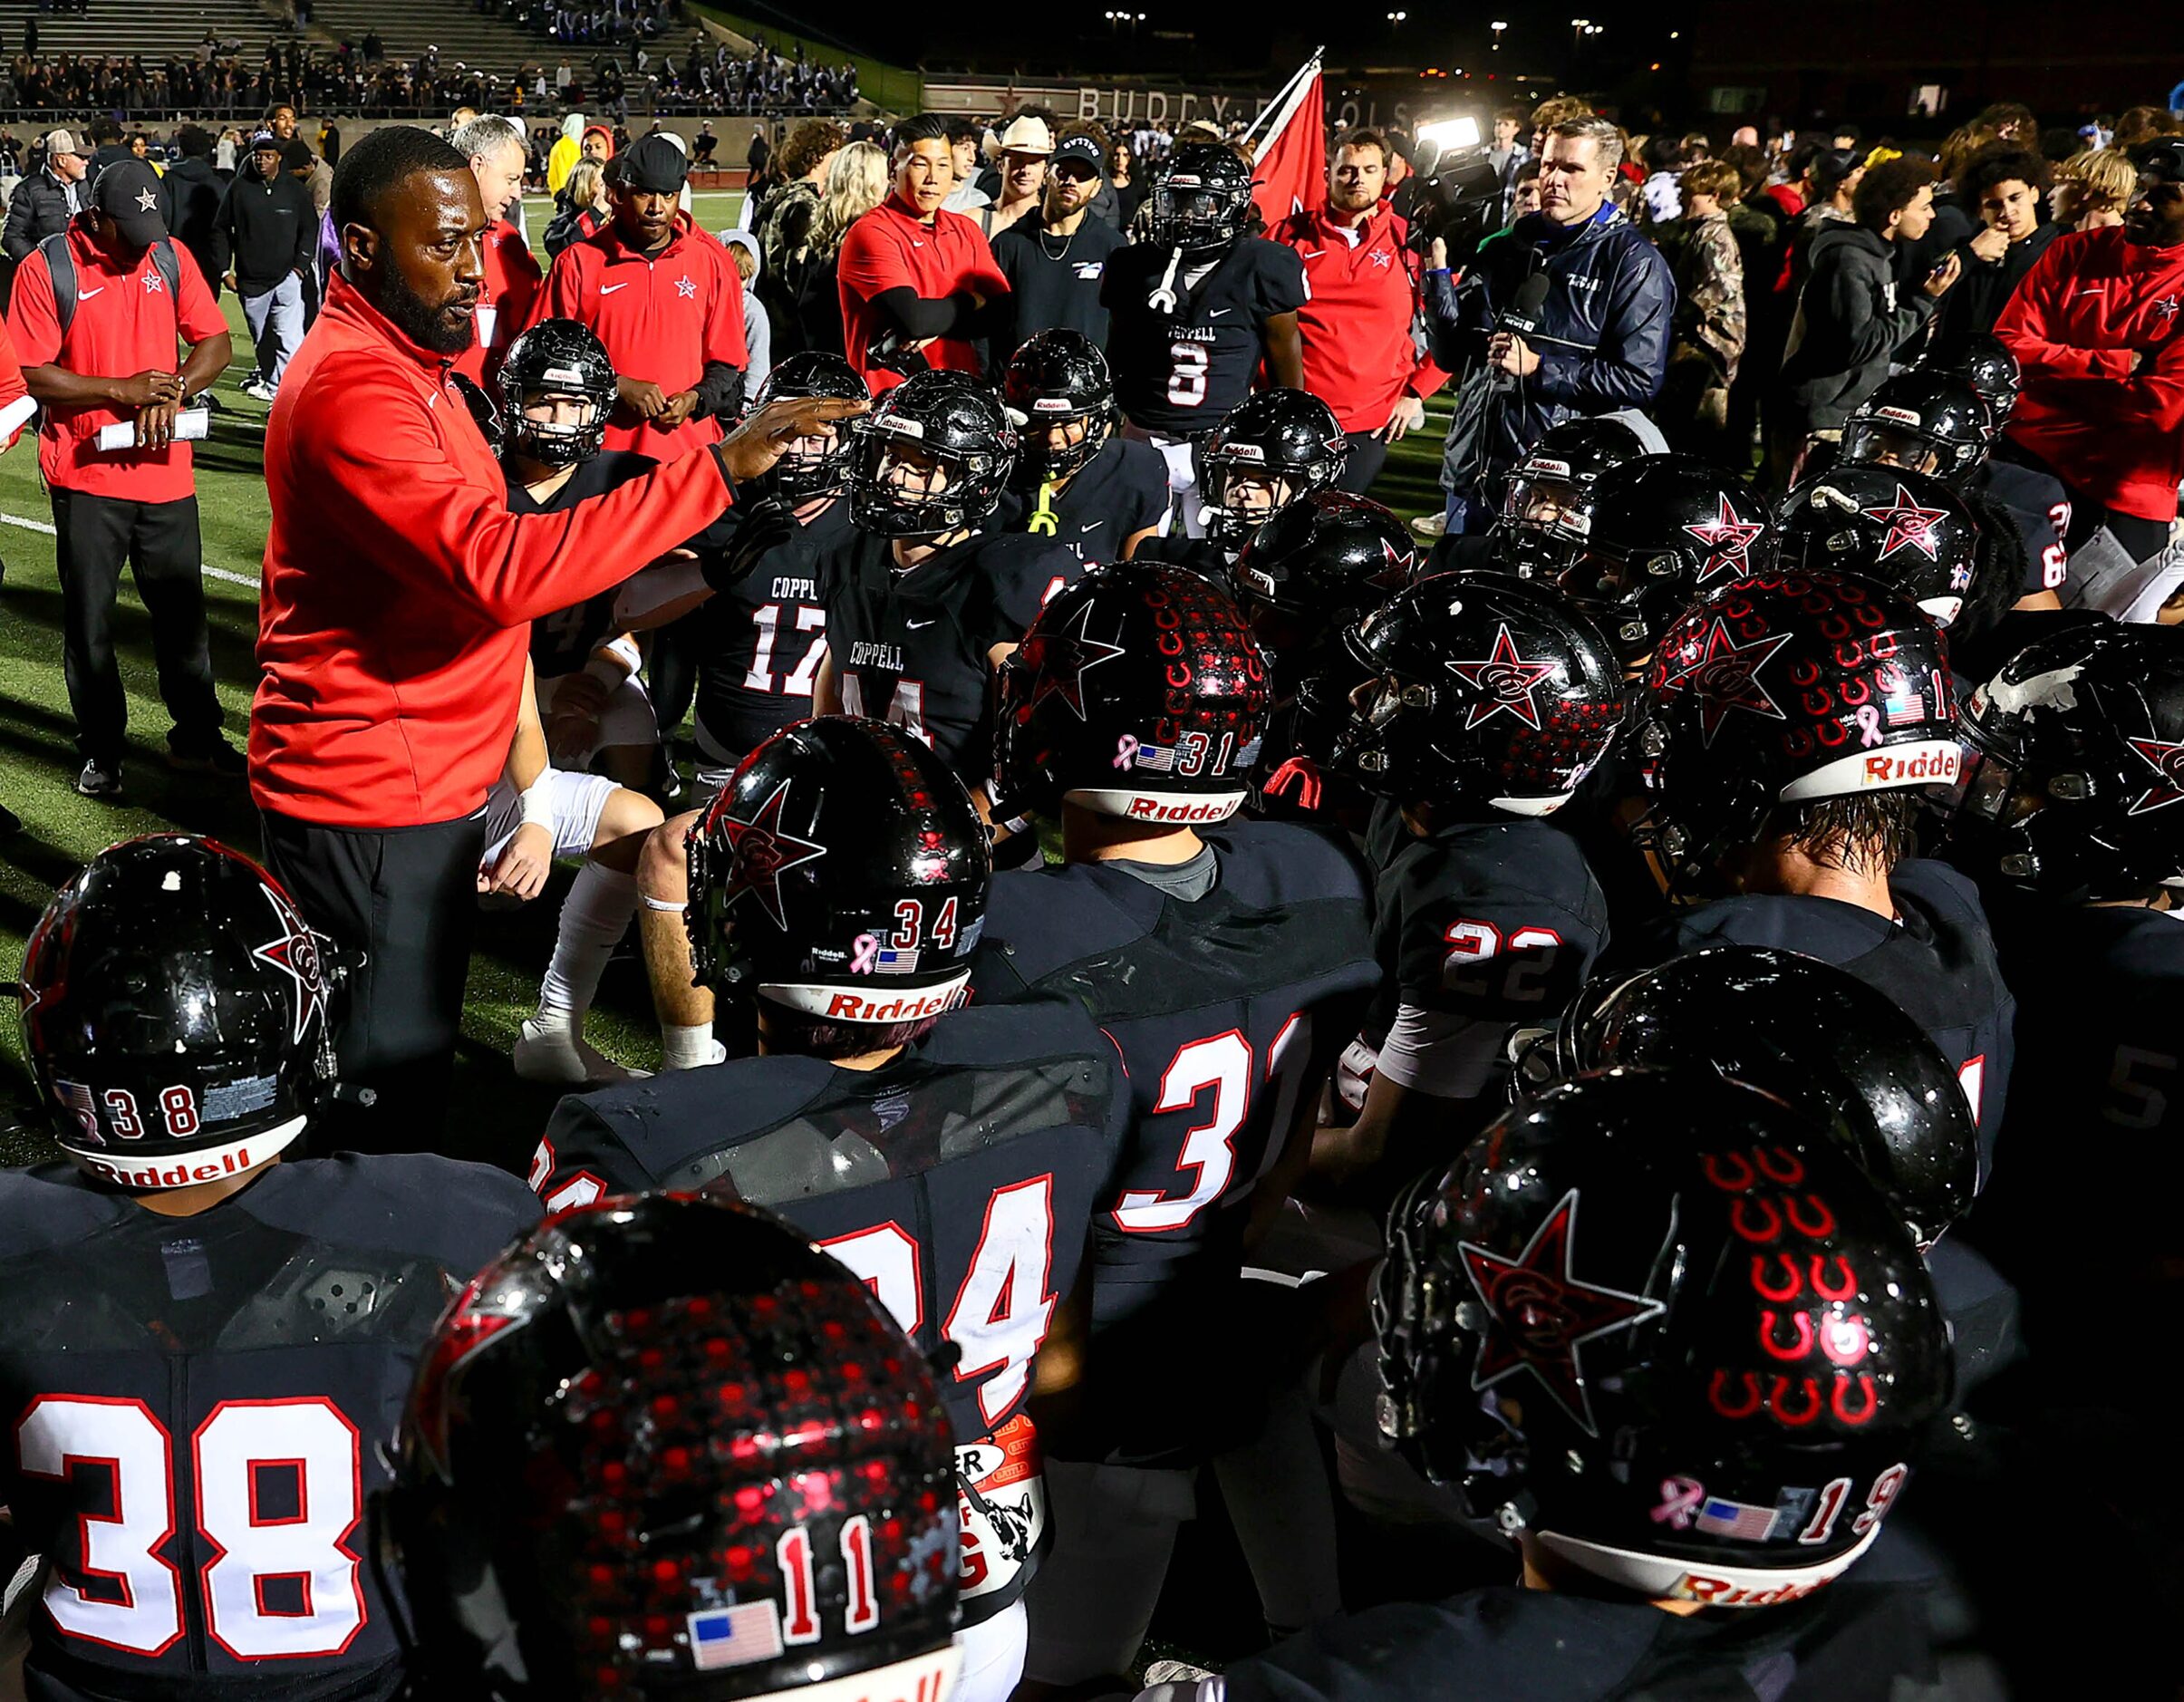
[1522, 316]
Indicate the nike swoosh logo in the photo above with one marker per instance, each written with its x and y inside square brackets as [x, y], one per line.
[608, 289]
[1215, 313]
[1091, 525]
[919, 626]
[84, 295]
[1311, 254]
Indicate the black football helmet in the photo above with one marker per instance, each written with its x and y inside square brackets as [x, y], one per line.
[1927, 422]
[1316, 567]
[660, 1447]
[811, 372]
[1786, 690]
[1201, 201]
[1483, 691]
[2074, 766]
[1663, 530]
[1288, 438]
[1909, 531]
[1815, 1037]
[1059, 378]
[841, 873]
[1984, 361]
[560, 357]
[1139, 692]
[939, 424]
[1546, 508]
[1664, 1324]
[174, 1014]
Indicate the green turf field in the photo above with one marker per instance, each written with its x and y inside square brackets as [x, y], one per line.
[60, 829]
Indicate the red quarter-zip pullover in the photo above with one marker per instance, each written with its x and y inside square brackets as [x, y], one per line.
[505, 304]
[1359, 354]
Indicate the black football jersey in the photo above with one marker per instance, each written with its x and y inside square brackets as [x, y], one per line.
[201, 1409]
[913, 647]
[1179, 372]
[1226, 1009]
[761, 641]
[563, 642]
[1851, 1642]
[1936, 960]
[1120, 492]
[2039, 509]
[1496, 922]
[959, 1181]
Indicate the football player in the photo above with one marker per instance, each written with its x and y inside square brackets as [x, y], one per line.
[952, 1161]
[1229, 963]
[206, 1340]
[1907, 530]
[2038, 506]
[663, 1445]
[1272, 448]
[1075, 480]
[1547, 506]
[1797, 720]
[1676, 1349]
[1488, 700]
[1304, 579]
[1197, 307]
[761, 642]
[921, 605]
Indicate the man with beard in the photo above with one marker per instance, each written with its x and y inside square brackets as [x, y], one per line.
[374, 741]
[1055, 259]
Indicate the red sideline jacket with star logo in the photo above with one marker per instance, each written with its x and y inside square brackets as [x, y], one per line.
[1360, 355]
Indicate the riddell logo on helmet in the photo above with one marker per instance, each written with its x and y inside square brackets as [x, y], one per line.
[1935, 766]
[912, 1007]
[176, 1176]
[1721, 1593]
[1153, 809]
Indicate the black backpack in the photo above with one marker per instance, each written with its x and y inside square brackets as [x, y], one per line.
[62, 267]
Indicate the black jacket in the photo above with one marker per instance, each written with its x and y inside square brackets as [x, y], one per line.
[1977, 299]
[39, 209]
[194, 192]
[1851, 318]
[1602, 336]
[265, 229]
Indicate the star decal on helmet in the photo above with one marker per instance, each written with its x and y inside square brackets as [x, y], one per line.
[1724, 676]
[1506, 680]
[1728, 542]
[294, 952]
[2167, 762]
[1909, 526]
[1066, 657]
[1396, 573]
[1539, 1315]
[761, 852]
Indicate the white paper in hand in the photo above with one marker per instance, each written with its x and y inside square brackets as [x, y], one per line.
[188, 427]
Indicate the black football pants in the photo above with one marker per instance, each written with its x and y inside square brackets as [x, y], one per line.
[398, 904]
[93, 537]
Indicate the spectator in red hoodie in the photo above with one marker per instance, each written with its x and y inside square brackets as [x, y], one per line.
[2095, 327]
[1360, 355]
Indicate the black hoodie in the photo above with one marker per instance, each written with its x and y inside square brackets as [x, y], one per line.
[265, 229]
[1850, 319]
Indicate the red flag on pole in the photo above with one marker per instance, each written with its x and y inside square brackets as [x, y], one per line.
[1290, 150]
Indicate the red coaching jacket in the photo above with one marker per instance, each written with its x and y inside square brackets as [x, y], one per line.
[399, 589]
[504, 304]
[2075, 319]
[891, 247]
[661, 316]
[1360, 355]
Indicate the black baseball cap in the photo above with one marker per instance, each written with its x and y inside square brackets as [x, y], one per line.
[129, 191]
[2163, 159]
[1079, 150]
[655, 164]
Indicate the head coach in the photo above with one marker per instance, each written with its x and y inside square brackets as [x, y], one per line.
[398, 594]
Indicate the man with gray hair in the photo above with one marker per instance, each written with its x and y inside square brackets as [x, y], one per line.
[1597, 340]
[495, 149]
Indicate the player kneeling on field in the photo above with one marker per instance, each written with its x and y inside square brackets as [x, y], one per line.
[206, 1340]
[663, 1446]
[953, 1158]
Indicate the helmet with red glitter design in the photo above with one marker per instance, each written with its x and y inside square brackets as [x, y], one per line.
[663, 1446]
[1786, 690]
[1482, 690]
[1139, 692]
[1662, 1326]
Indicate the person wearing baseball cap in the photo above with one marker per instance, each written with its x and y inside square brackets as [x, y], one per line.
[265, 240]
[1055, 259]
[1024, 149]
[97, 312]
[667, 300]
[45, 201]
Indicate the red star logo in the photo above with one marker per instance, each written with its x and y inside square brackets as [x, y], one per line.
[1725, 676]
[1728, 542]
[296, 954]
[2167, 762]
[1539, 1315]
[760, 853]
[1909, 526]
[1396, 573]
[1505, 680]
[1065, 658]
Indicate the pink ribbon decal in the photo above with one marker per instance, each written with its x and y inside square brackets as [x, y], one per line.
[1869, 726]
[1681, 1498]
[867, 954]
[1126, 751]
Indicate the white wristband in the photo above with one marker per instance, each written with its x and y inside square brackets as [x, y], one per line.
[538, 806]
[605, 671]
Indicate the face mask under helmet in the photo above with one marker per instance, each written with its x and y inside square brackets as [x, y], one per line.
[557, 358]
